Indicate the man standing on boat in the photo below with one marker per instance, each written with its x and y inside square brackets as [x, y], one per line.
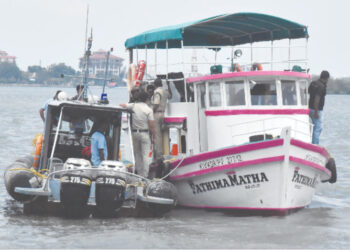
[160, 98]
[60, 95]
[141, 124]
[317, 91]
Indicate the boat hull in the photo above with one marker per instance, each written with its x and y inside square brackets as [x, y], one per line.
[279, 175]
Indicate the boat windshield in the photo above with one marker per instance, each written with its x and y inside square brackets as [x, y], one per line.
[289, 92]
[234, 93]
[263, 93]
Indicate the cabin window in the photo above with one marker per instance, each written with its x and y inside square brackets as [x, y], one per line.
[234, 93]
[214, 94]
[201, 94]
[263, 93]
[303, 92]
[289, 93]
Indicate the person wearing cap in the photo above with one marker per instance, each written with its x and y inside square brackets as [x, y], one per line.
[142, 123]
[317, 91]
[61, 96]
[159, 101]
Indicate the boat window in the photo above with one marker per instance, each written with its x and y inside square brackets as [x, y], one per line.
[214, 94]
[263, 93]
[303, 92]
[234, 93]
[289, 93]
[201, 94]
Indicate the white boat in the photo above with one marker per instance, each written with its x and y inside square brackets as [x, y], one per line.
[243, 136]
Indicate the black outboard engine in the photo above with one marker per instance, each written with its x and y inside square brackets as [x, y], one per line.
[110, 188]
[75, 187]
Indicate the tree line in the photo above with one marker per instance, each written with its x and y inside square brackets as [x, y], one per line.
[55, 74]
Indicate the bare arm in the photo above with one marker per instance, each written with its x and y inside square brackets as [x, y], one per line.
[151, 127]
[123, 105]
[42, 114]
[316, 103]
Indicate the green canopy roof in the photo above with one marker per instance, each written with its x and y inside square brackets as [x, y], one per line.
[222, 30]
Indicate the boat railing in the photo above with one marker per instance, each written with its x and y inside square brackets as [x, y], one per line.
[271, 126]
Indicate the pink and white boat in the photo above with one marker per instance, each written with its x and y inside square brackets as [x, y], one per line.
[243, 136]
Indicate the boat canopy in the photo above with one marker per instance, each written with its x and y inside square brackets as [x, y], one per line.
[222, 30]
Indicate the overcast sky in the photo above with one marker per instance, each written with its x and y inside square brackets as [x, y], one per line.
[53, 31]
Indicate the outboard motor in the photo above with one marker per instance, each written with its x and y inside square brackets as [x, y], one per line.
[75, 186]
[110, 187]
[16, 175]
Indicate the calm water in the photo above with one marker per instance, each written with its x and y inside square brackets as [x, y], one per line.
[323, 224]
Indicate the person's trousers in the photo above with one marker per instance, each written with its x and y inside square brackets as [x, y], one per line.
[158, 126]
[317, 126]
[142, 144]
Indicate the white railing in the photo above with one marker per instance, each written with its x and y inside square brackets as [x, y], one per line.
[241, 132]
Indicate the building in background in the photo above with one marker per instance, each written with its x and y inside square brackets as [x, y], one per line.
[97, 64]
[4, 57]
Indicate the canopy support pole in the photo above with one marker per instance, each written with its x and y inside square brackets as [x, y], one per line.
[271, 50]
[306, 53]
[137, 55]
[289, 54]
[155, 58]
[183, 69]
[251, 54]
[146, 61]
[130, 56]
[166, 46]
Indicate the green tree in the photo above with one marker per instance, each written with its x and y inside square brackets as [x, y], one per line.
[57, 70]
[9, 72]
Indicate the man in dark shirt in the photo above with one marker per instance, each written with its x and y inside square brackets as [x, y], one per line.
[317, 91]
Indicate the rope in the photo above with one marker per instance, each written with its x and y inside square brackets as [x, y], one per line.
[30, 170]
[178, 165]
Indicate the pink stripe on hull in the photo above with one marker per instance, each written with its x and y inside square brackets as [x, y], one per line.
[228, 166]
[310, 164]
[225, 112]
[311, 147]
[245, 208]
[174, 119]
[228, 151]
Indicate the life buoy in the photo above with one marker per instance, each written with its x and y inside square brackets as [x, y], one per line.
[140, 72]
[257, 66]
[236, 67]
[38, 143]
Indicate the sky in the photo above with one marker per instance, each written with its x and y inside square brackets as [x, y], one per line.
[43, 32]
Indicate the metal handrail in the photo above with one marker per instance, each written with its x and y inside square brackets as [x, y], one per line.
[264, 130]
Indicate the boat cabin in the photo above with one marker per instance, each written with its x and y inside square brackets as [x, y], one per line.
[239, 107]
[69, 126]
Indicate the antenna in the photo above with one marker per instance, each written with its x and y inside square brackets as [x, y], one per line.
[86, 27]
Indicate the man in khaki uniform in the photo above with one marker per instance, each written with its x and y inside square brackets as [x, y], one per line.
[160, 98]
[142, 124]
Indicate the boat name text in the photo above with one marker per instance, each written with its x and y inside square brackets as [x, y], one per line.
[249, 181]
[304, 180]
